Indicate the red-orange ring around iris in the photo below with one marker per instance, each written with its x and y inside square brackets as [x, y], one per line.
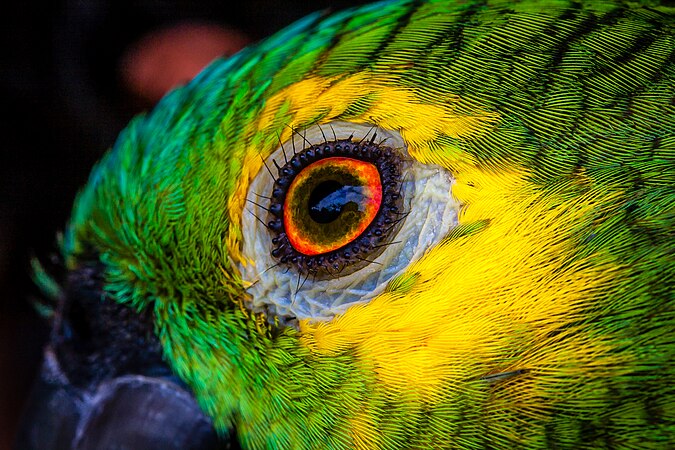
[364, 171]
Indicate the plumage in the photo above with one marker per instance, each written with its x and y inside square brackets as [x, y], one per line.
[542, 319]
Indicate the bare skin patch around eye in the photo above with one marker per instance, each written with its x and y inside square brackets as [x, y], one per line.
[289, 295]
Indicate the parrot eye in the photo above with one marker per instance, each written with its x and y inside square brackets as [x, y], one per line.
[334, 206]
[341, 218]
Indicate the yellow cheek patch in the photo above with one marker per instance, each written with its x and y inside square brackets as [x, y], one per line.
[503, 299]
[322, 100]
[363, 430]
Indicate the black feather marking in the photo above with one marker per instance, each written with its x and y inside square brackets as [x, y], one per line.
[641, 43]
[325, 54]
[584, 28]
[401, 22]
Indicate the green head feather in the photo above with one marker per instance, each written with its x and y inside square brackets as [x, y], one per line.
[543, 319]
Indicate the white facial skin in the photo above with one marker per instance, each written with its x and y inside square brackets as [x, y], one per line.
[287, 294]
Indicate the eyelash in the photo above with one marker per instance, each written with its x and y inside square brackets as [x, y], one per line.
[353, 255]
[331, 196]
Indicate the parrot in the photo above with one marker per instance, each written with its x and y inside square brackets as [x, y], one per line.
[411, 224]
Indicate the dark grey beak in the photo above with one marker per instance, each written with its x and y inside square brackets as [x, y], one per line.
[105, 385]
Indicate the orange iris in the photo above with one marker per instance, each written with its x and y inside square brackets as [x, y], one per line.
[330, 203]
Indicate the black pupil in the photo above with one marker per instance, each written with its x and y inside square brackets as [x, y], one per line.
[329, 198]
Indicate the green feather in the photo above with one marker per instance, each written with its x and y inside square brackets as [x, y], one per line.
[585, 96]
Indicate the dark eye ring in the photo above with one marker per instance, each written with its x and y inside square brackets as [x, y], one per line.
[340, 216]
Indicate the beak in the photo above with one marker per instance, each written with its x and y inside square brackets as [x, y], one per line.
[105, 385]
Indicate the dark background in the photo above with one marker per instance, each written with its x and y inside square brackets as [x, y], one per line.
[63, 102]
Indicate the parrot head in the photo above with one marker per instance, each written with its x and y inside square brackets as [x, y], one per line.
[408, 225]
